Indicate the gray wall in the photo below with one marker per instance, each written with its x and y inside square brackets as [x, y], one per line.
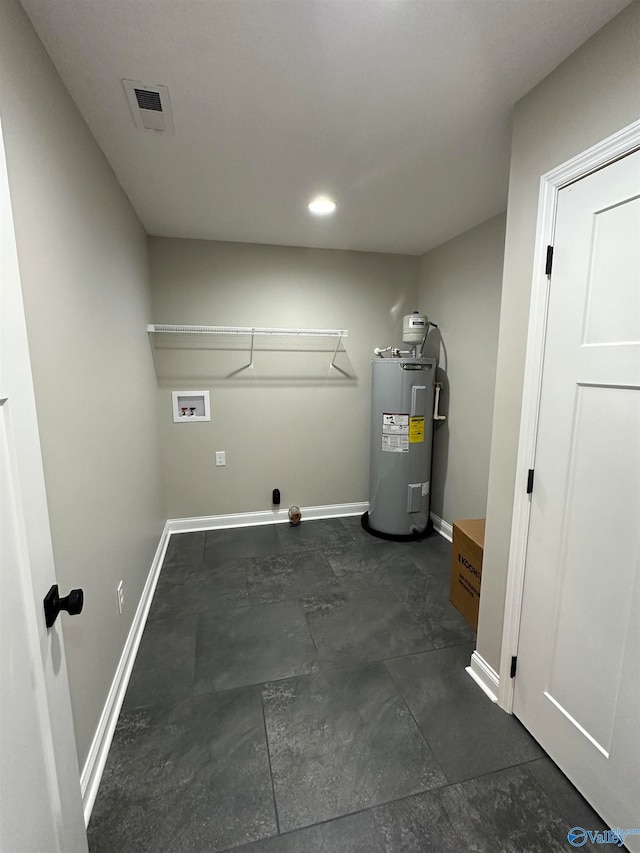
[84, 271]
[460, 285]
[594, 93]
[291, 422]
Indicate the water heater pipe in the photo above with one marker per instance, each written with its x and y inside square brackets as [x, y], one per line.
[395, 352]
[436, 404]
[416, 351]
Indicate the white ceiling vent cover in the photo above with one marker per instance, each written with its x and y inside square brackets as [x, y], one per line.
[150, 105]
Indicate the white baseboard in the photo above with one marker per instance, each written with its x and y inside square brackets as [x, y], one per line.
[484, 675]
[269, 516]
[442, 527]
[97, 757]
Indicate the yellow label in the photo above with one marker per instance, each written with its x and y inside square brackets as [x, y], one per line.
[416, 430]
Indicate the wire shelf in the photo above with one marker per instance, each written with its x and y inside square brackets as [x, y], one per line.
[177, 343]
[173, 328]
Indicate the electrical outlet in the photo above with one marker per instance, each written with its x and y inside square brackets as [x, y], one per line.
[120, 594]
[221, 458]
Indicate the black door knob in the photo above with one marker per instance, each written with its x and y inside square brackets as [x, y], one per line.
[53, 604]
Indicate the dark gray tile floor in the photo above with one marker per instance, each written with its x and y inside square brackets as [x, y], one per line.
[302, 690]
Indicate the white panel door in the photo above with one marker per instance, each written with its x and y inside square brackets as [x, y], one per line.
[40, 803]
[578, 680]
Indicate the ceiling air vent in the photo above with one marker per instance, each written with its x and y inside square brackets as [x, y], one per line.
[148, 100]
[150, 105]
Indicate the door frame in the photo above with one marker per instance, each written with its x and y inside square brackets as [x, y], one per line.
[598, 156]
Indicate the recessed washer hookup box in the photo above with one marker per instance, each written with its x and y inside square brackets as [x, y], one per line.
[466, 567]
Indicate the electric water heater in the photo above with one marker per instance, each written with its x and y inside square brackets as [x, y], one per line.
[401, 433]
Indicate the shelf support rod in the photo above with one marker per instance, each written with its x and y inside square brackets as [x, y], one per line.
[333, 361]
[335, 352]
[244, 366]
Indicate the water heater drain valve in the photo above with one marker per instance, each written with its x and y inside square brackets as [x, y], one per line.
[294, 514]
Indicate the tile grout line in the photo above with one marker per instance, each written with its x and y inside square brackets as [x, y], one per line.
[429, 792]
[266, 740]
[418, 727]
[434, 792]
[553, 805]
[412, 616]
[327, 668]
[424, 651]
[313, 639]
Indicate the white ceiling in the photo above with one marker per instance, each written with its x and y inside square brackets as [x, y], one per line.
[399, 109]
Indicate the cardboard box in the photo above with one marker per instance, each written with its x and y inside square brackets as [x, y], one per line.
[466, 567]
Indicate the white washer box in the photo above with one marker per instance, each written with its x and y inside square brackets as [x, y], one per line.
[190, 406]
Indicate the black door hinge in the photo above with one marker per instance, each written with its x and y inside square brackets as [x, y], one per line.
[530, 481]
[549, 263]
[514, 666]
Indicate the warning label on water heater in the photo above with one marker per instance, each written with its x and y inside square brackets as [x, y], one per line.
[416, 430]
[395, 432]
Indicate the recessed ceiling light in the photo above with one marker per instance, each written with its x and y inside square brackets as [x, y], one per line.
[322, 205]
